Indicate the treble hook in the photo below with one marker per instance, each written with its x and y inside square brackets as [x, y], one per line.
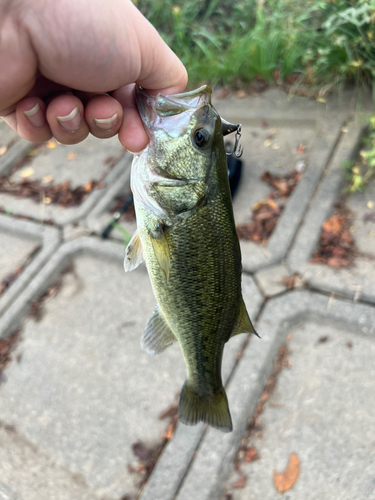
[237, 150]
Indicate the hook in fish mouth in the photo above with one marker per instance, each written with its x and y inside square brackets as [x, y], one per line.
[228, 128]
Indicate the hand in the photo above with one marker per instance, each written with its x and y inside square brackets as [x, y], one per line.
[68, 67]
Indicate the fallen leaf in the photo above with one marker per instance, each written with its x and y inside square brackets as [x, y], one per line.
[370, 204]
[168, 434]
[301, 148]
[241, 482]
[275, 146]
[47, 179]
[270, 203]
[51, 144]
[321, 99]
[267, 143]
[251, 455]
[47, 200]
[240, 94]
[140, 450]
[3, 150]
[333, 224]
[284, 481]
[26, 172]
[71, 156]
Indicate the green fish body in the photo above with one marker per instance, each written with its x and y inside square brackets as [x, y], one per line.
[186, 235]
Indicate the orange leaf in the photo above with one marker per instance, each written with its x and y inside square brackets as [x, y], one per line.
[71, 156]
[284, 481]
[333, 224]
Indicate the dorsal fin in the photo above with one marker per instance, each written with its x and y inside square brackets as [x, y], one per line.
[243, 324]
[157, 336]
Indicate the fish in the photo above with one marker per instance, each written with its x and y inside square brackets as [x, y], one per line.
[187, 237]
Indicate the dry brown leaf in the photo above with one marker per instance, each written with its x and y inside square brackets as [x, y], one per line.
[3, 150]
[71, 156]
[284, 481]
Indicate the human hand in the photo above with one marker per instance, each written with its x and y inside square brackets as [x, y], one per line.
[69, 68]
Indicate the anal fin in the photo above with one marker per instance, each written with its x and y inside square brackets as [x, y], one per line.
[244, 324]
[157, 336]
[133, 253]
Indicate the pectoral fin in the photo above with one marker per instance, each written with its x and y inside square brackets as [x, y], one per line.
[243, 324]
[133, 253]
[161, 249]
[157, 336]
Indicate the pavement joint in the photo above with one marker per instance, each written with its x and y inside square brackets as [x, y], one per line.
[47, 237]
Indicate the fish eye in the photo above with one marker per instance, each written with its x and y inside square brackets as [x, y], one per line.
[201, 137]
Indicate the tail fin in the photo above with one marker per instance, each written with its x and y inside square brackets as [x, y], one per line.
[212, 410]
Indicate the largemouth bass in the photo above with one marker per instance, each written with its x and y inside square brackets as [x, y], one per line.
[187, 237]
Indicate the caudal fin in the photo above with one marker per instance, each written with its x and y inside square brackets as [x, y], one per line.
[212, 410]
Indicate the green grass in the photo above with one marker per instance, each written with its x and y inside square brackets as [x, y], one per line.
[220, 42]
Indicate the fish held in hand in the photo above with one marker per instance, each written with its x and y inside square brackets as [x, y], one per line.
[187, 237]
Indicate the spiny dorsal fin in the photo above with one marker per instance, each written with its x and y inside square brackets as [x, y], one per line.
[133, 253]
[161, 249]
[157, 336]
[243, 324]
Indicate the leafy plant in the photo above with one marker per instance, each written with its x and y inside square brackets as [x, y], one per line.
[324, 41]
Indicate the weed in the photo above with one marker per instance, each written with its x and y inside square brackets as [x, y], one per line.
[360, 172]
[325, 41]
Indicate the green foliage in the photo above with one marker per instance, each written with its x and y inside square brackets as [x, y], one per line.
[363, 170]
[221, 41]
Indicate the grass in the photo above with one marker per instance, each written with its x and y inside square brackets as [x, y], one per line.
[220, 42]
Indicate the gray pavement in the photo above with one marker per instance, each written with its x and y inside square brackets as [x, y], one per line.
[79, 391]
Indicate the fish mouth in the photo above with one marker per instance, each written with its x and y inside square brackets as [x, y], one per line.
[153, 109]
[163, 178]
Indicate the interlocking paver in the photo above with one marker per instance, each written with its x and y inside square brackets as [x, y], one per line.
[12, 147]
[79, 164]
[308, 316]
[23, 244]
[322, 410]
[79, 390]
[358, 281]
[285, 125]
[88, 391]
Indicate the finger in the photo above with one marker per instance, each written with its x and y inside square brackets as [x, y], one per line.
[132, 133]
[65, 115]
[31, 120]
[103, 114]
[161, 70]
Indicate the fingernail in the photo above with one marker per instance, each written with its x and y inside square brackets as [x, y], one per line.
[35, 116]
[134, 152]
[106, 123]
[70, 122]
